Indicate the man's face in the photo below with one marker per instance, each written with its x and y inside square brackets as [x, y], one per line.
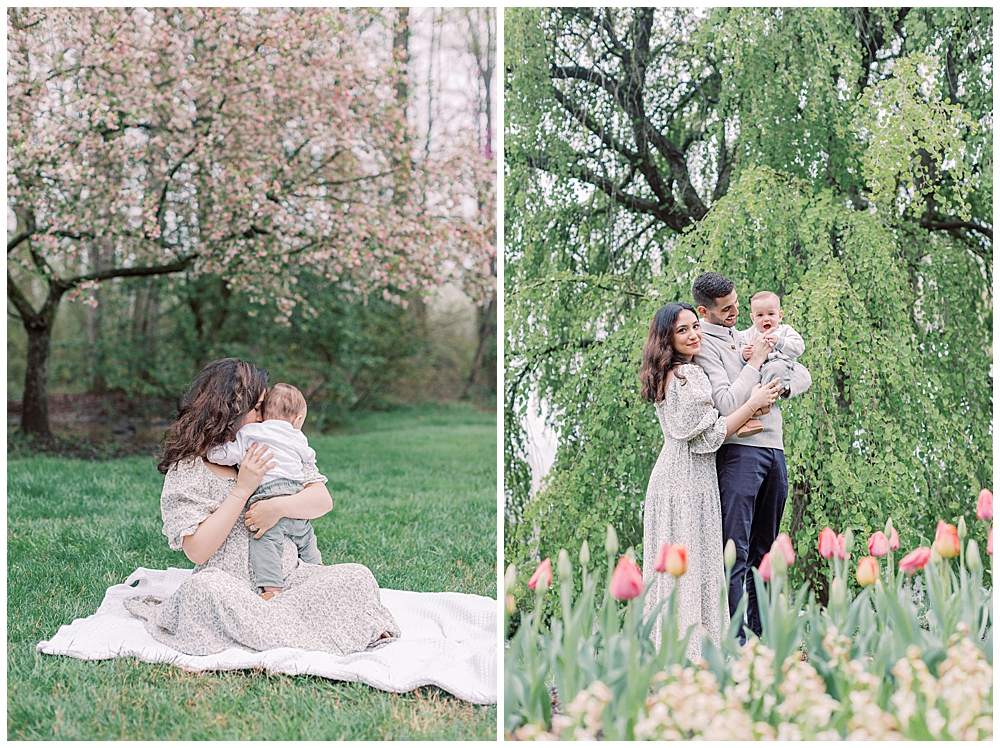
[723, 312]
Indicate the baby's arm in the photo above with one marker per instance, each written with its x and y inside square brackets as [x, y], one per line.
[228, 454]
[790, 343]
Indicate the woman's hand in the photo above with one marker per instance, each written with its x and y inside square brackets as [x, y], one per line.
[256, 462]
[763, 394]
[263, 515]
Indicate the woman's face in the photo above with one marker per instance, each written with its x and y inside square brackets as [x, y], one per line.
[254, 415]
[687, 334]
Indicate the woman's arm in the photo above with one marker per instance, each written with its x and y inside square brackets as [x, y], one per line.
[311, 502]
[207, 539]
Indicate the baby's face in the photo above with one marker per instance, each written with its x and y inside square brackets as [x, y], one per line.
[766, 314]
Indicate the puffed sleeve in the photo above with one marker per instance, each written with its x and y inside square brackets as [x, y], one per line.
[311, 474]
[695, 420]
[186, 502]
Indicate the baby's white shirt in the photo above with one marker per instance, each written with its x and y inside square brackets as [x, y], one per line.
[789, 341]
[289, 447]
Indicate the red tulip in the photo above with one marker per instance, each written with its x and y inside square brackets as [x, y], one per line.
[765, 567]
[914, 560]
[894, 540]
[878, 544]
[989, 542]
[784, 544]
[542, 574]
[841, 547]
[868, 570]
[984, 507]
[827, 543]
[626, 582]
[946, 540]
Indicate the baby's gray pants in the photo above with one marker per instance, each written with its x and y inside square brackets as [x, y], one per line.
[266, 551]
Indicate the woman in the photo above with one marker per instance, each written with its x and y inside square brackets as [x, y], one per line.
[324, 608]
[682, 500]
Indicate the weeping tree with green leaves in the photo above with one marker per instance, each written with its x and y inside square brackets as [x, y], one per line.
[839, 157]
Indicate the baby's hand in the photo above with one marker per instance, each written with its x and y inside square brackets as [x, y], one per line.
[771, 338]
[746, 352]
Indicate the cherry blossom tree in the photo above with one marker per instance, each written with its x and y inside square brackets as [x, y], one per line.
[250, 144]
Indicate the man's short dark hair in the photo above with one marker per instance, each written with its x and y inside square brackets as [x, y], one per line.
[709, 287]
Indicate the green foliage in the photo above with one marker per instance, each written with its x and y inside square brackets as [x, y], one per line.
[894, 305]
[76, 527]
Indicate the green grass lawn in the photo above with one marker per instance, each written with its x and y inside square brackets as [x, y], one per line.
[414, 499]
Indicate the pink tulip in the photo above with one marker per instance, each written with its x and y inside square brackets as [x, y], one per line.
[984, 507]
[661, 558]
[542, 574]
[894, 540]
[989, 542]
[784, 544]
[914, 560]
[841, 547]
[946, 540]
[878, 544]
[827, 543]
[765, 567]
[867, 570]
[626, 582]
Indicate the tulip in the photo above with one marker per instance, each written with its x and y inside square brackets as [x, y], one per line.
[848, 540]
[867, 570]
[542, 576]
[894, 540]
[660, 564]
[842, 547]
[989, 542]
[729, 555]
[962, 529]
[827, 543]
[984, 507]
[584, 554]
[510, 578]
[784, 544]
[888, 527]
[878, 544]
[626, 581]
[838, 592]
[972, 558]
[511, 605]
[914, 560]
[935, 556]
[765, 567]
[611, 543]
[676, 561]
[946, 541]
[563, 565]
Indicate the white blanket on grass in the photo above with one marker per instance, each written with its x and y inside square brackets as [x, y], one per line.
[449, 640]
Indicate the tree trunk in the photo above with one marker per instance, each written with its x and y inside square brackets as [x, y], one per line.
[487, 329]
[35, 408]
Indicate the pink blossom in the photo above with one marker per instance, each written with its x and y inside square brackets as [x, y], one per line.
[543, 574]
[914, 560]
[894, 540]
[984, 507]
[765, 567]
[878, 544]
[784, 544]
[827, 543]
[626, 581]
[946, 540]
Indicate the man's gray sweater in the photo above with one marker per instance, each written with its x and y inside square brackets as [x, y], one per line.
[732, 380]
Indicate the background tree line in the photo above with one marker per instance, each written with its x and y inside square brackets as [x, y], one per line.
[841, 157]
[238, 182]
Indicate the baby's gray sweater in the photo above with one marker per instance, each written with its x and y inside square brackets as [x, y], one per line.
[732, 380]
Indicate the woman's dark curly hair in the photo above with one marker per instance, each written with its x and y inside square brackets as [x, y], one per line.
[207, 416]
[659, 355]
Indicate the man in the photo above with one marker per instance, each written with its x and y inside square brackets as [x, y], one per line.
[753, 481]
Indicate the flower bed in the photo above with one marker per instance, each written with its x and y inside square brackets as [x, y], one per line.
[875, 665]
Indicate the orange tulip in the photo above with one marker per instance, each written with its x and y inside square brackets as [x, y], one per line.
[867, 570]
[878, 544]
[626, 581]
[914, 560]
[827, 543]
[946, 540]
[542, 574]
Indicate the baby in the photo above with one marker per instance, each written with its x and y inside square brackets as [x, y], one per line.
[766, 314]
[283, 412]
